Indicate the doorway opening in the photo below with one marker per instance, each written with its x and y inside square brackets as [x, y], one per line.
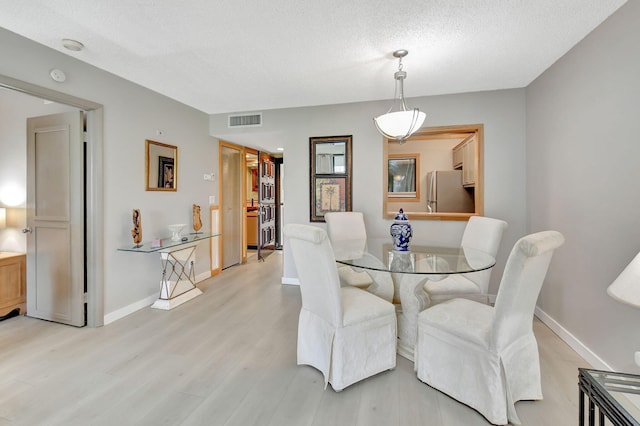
[90, 161]
[231, 193]
[250, 203]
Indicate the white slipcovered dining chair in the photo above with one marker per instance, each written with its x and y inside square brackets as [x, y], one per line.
[345, 332]
[481, 233]
[487, 357]
[347, 229]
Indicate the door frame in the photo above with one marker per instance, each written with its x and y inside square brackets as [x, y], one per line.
[245, 186]
[94, 191]
[243, 196]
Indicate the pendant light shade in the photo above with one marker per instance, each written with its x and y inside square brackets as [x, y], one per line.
[626, 287]
[403, 122]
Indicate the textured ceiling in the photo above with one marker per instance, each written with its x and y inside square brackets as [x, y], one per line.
[229, 56]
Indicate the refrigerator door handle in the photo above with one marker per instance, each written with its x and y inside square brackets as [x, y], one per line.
[430, 200]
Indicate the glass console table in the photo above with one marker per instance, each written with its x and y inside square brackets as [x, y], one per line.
[178, 284]
[617, 396]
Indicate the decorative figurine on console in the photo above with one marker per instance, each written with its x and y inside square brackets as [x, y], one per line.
[401, 232]
[136, 232]
[197, 222]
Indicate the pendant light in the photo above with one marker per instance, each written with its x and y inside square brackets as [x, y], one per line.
[403, 122]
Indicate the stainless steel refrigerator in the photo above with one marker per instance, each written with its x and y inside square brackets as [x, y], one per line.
[445, 193]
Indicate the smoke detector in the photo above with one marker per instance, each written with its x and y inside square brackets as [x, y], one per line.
[74, 45]
[58, 75]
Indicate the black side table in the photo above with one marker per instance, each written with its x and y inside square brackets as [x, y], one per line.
[617, 396]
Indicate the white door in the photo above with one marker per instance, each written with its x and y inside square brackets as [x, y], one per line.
[231, 204]
[55, 218]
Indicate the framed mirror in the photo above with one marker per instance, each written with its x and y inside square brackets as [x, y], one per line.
[161, 166]
[435, 174]
[329, 176]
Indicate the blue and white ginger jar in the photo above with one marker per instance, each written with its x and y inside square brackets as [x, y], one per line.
[401, 232]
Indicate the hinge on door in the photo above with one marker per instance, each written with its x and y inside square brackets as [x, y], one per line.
[85, 298]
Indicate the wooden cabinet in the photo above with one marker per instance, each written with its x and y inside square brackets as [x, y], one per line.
[468, 163]
[457, 157]
[252, 228]
[464, 155]
[13, 282]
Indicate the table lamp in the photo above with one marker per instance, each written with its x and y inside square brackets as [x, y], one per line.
[3, 217]
[626, 289]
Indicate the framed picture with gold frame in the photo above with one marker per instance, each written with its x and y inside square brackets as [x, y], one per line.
[161, 166]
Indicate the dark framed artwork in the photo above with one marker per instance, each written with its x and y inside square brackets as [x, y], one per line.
[165, 172]
[330, 195]
[329, 176]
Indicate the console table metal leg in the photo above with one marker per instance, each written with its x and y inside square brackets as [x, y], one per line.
[178, 277]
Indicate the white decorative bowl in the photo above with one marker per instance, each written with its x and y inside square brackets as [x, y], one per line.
[175, 231]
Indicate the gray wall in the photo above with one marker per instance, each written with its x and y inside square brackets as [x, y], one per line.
[584, 180]
[131, 115]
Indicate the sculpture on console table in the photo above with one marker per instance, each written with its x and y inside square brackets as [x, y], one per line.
[136, 232]
[197, 222]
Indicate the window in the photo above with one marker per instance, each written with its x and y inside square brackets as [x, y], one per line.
[402, 176]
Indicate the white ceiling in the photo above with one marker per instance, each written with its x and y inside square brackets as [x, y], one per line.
[223, 56]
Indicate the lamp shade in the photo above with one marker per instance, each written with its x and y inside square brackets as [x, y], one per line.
[400, 125]
[3, 217]
[626, 288]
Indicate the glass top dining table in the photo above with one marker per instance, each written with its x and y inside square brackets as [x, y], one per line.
[409, 271]
[422, 258]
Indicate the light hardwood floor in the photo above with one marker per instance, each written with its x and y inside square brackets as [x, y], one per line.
[228, 357]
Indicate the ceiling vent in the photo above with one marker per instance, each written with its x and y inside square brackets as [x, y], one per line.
[249, 120]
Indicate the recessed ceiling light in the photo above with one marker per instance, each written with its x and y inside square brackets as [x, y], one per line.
[74, 45]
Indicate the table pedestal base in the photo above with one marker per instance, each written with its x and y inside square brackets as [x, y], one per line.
[413, 301]
[178, 283]
[167, 304]
[406, 342]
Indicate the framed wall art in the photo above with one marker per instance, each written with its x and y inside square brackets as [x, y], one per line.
[161, 166]
[329, 176]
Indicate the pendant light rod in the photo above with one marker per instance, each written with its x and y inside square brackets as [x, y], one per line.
[401, 124]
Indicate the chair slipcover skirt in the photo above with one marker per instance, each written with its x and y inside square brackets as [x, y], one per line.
[487, 357]
[364, 346]
[467, 370]
[347, 333]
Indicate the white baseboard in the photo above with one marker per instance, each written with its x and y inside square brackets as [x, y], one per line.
[290, 281]
[572, 341]
[123, 312]
[203, 276]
